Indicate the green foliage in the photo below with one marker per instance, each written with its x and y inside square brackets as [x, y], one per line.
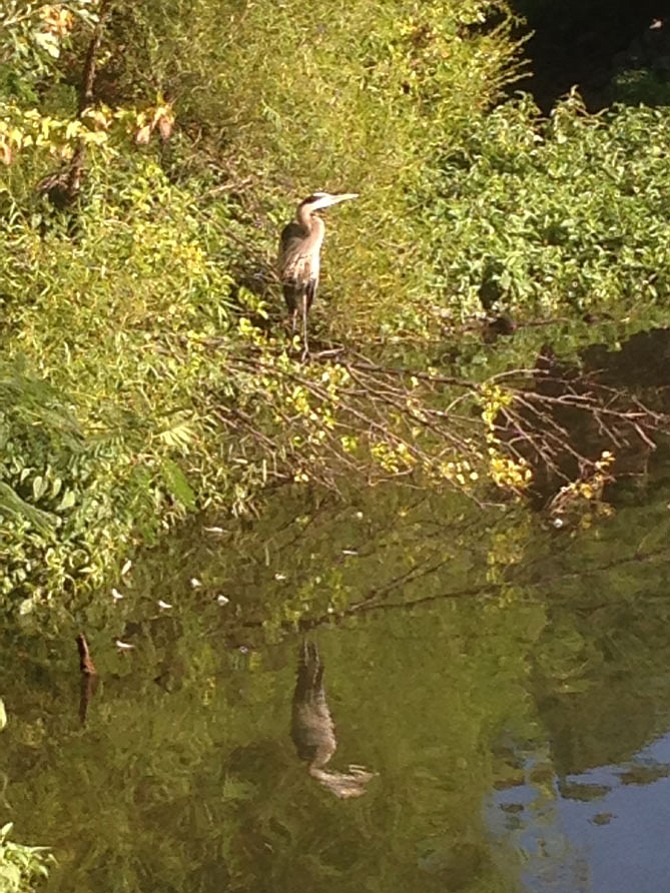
[213, 790]
[93, 456]
[125, 339]
[21, 867]
[32, 34]
[144, 374]
[555, 216]
[457, 205]
[635, 86]
[294, 97]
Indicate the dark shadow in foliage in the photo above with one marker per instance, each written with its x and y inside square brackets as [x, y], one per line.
[313, 730]
[642, 362]
[62, 188]
[614, 401]
[587, 43]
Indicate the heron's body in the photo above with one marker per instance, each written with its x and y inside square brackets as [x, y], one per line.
[312, 727]
[300, 251]
[313, 730]
[300, 255]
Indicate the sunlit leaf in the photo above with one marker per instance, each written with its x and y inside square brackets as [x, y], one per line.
[177, 484]
[11, 504]
[143, 135]
[181, 435]
[40, 486]
[48, 42]
[68, 500]
[10, 877]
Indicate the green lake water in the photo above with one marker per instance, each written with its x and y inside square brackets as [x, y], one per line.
[484, 706]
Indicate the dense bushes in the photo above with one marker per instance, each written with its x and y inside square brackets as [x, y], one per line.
[144, 372]
[120, 315]
[557, 215]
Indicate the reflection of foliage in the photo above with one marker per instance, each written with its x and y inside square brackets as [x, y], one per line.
[213, 794]
[433, 681]
[644, 773]
[21, 867]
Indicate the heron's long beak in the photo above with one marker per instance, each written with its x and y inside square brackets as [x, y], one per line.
[345, 196]
[329, 200]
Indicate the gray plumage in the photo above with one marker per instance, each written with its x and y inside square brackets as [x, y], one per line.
[313, 730]
[312, 727]
[300, 255]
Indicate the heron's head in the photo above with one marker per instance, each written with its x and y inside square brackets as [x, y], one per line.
[318, 200]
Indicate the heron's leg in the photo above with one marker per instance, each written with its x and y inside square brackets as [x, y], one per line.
[305, 339]
[292, 299]
[308, 300]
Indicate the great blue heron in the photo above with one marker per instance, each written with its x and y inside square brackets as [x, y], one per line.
[313, 730]
[299, 255]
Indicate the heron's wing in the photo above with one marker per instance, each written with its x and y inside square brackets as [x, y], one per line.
[291, 233]
[299, 254]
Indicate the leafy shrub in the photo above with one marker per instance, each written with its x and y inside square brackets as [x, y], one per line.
[140, 376]
[98, 390]
[567, 214]
[21, 867]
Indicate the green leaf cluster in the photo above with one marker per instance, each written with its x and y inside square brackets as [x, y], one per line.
[21, 867]
[563, 215]
[144, 372]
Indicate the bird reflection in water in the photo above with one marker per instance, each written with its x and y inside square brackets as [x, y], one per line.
[313, 730]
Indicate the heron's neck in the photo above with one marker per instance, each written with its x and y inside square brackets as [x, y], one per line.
[306, 219]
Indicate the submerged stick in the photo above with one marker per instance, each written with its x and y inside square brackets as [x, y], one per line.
[86, 665]
[89, 677]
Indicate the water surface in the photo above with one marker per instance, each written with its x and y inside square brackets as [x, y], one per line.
[484, 705]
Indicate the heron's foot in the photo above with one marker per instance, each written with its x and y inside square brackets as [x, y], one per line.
[305, 354]
[356, 771]
[343, 784]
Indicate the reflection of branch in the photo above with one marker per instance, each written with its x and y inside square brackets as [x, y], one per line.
[490, 588]
[370, 602]
[535, 575]
[412, 575]
[86, 665]
[87, 689]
